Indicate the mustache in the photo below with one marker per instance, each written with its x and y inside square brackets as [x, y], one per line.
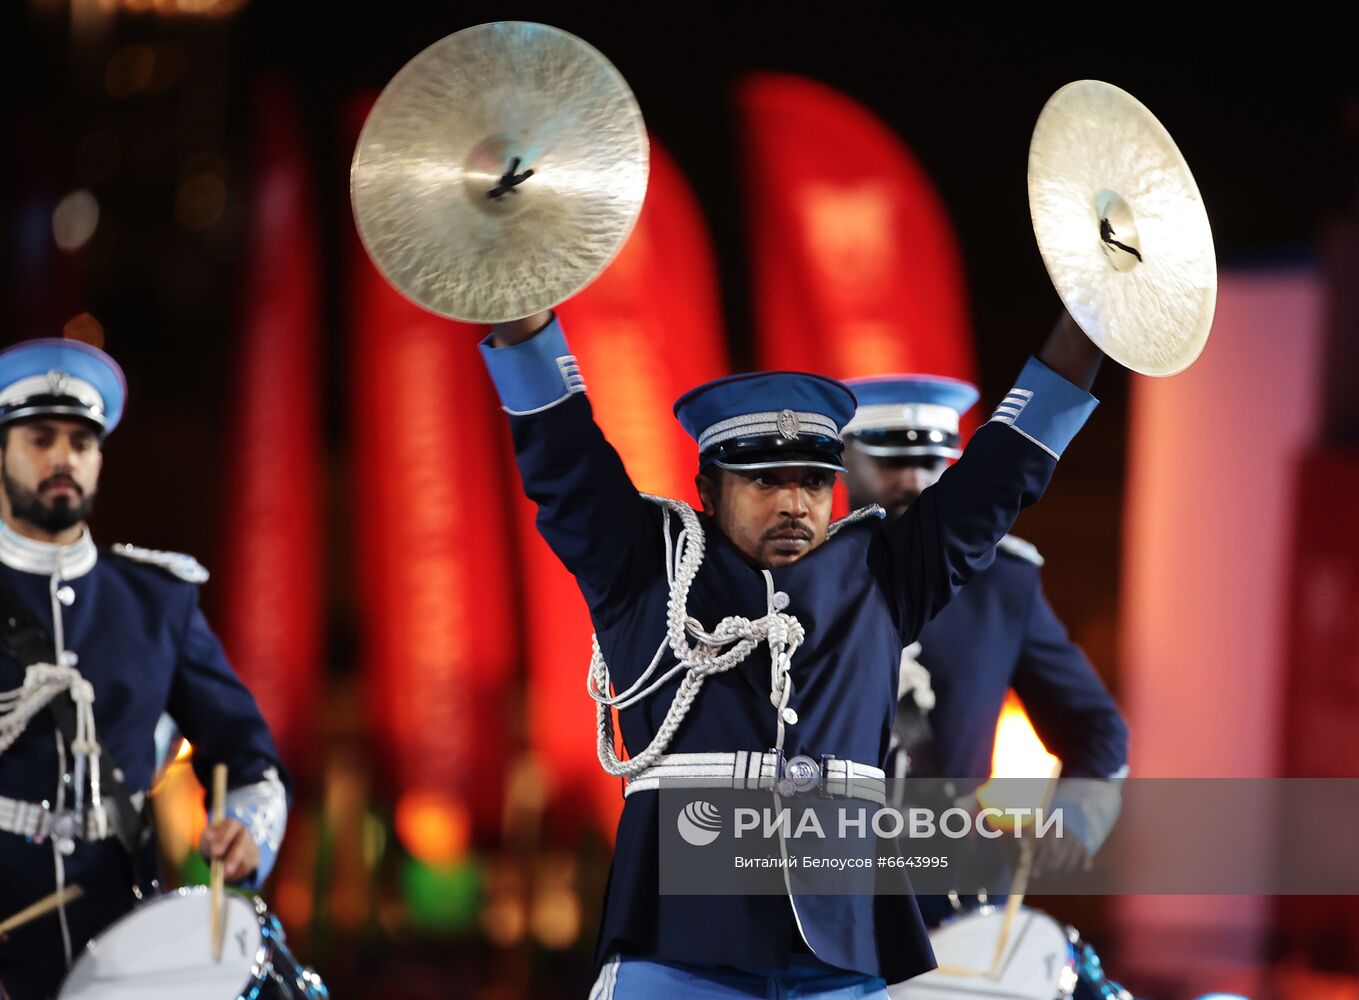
[789, 529]
[60, 479]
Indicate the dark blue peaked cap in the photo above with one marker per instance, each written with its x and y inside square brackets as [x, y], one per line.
[765, 420]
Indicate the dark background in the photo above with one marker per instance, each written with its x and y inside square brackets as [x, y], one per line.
[1267, 115]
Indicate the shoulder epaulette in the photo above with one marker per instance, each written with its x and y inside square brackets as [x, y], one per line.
[179, 564]
[873, 512]
[1020, 549]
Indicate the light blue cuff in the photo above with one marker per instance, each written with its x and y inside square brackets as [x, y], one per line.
[1045, 408]
[1090, 808]
[534, 375]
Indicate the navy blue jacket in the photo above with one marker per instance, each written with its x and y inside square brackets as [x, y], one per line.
[999, 633]
[860, 597]
[143, 643]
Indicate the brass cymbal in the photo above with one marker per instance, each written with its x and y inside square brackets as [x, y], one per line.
[1121, 227]
[499, 172]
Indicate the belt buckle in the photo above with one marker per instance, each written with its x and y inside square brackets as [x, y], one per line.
[62, 826]
[801, 774]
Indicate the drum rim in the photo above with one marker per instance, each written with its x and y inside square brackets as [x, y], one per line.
[998, 910]
[988, 909]
[261, 961]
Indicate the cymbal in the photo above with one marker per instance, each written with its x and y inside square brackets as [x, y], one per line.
[1121, 228]
[499, 172]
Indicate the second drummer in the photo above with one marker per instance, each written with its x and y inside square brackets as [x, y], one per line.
[95, 644]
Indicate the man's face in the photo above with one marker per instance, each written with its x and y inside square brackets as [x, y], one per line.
[895, 483]
[51, 471]
[773, 516]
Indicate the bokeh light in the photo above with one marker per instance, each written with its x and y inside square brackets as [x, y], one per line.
[434, 828]
[75, 219]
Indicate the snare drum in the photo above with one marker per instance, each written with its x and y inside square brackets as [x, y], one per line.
[162, 951]
[1039, 961]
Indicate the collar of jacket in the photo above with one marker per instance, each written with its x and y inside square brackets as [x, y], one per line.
[65, 561]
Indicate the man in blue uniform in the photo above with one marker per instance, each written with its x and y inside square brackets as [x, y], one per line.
[758, 633]
[96, 645]
[998, 633]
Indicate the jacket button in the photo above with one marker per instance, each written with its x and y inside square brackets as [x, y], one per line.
[790, 717]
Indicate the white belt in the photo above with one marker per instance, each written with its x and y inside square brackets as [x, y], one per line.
[37, 820]
[755, 770]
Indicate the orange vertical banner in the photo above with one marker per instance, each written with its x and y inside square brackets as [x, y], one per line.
[646, 331]
[856, 268]
[434, 562]
[272, 600]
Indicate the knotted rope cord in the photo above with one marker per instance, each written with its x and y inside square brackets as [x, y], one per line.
[42, 683]
[713, 652]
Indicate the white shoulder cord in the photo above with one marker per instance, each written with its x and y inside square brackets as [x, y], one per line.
[84, 747]
[724, 647]
[43, 682]
[58, 859]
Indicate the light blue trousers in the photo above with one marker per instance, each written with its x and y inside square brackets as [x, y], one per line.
[624, 978]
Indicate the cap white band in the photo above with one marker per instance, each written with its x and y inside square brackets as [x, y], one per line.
[903, 451]
[773, 422]
[903, 416]
[54, 383]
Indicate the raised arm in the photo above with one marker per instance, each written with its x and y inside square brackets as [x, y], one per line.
[951, 532]
[589, 512]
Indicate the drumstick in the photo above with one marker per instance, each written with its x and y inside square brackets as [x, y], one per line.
[1021, 882]
[44, 905]
[218, 880]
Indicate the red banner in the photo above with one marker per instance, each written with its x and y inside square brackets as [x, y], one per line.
[648, 330]
[272, 599]
[436, 604]
[856, 268]
[1323, 662]
[1322, 665]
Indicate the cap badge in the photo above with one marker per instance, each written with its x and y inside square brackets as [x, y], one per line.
[58, 381]
[788, 425]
